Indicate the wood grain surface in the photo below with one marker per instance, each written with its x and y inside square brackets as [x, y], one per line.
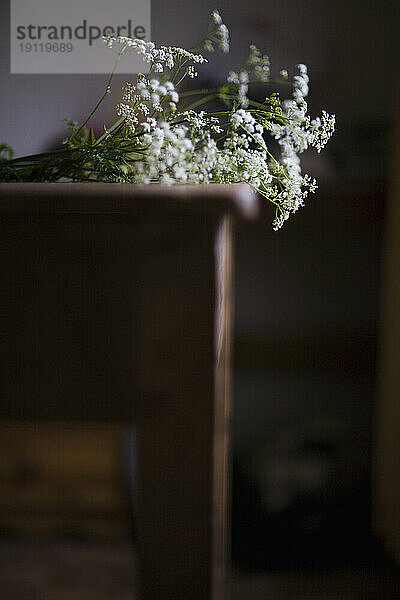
[116, 308]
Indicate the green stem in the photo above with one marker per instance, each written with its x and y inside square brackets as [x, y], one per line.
[197, 92]
[117, 125]
[73, 136]
[179, 65]
[263, 146]
[42, 155]
[202, 101]
[181, 79]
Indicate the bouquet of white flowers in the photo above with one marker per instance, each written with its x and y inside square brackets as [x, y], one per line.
[164, 134]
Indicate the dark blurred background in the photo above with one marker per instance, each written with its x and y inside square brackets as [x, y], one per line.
[309, 309]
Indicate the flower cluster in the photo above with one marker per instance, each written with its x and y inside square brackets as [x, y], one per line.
[164, 134]
[160, 58]
[147, 96]
[229, 146]
[218, 34]
[241, 82]
[258, 64]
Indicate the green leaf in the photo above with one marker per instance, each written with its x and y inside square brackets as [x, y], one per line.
[6, 152]
[92, 139]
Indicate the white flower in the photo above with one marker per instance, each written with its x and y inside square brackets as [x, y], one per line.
[236, 119]
[230, 146]
[216, 17]
[145, 94]
[164, 55]
[223, 38]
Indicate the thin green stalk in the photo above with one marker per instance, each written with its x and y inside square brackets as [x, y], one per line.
[113, 129]
[41, 155]
[199, 91]
[107, 90]
[202, 101]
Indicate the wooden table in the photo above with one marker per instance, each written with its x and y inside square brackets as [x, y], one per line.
[116, 308]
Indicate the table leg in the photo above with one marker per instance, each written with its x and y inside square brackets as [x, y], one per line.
[183, 417]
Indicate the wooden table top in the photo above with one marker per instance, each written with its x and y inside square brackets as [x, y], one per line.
[118, 198]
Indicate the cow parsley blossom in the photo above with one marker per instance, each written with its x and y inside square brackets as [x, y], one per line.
[165, 134]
